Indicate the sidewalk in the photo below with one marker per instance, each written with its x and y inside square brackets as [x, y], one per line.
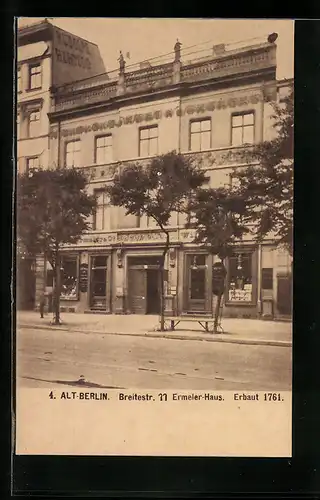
[240, 331]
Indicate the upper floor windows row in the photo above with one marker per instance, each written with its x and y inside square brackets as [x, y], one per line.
[103, 151]
[200, 135]
[34, 78]
[242, 131]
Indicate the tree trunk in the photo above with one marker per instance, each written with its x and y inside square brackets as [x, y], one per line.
[217, 313]
[57, 290]
[162, 297]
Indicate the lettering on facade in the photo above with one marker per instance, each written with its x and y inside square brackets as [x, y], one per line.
[72, 59]
[188, 235]
[124, 238]
[73, 51]
[138, 237]
[72, 42]
[157, 115]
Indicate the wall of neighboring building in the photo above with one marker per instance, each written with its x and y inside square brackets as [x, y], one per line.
[74, 58]
[33, 100]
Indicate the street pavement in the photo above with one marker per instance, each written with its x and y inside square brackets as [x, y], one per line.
[52, 358]
[241, 331]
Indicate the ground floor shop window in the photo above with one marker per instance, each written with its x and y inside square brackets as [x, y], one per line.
[69, 278]
[240, 277]
[99, 282]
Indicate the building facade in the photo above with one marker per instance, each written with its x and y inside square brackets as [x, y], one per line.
[216, 108]
[46, 56]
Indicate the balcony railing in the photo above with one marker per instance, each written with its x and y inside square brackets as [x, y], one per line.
[101, 88]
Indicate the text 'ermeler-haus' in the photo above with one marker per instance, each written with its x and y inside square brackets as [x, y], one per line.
[71, 112]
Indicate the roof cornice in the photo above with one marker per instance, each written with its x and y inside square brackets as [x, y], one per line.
[41, 31]
[182, 89]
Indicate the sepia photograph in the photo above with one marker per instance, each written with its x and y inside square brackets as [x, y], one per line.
[154, 165]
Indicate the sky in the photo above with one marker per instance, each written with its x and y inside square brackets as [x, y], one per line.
[146, 38]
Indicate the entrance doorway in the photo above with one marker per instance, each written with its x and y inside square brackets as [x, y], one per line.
[153, 292]
[143, 285]
[196, 293]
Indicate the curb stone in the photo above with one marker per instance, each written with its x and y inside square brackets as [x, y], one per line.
[163, 335]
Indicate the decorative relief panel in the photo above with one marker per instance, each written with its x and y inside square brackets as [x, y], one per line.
[226, 157]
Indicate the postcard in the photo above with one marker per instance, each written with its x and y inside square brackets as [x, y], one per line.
[154, 163]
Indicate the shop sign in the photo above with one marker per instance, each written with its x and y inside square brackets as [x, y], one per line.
[83, 278]
[240, 295]
[136, 237]
[196, 109]
[218, 278]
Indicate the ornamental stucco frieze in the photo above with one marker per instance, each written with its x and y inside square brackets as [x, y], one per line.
[190, 109]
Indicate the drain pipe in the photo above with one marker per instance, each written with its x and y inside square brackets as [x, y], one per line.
[259, 301]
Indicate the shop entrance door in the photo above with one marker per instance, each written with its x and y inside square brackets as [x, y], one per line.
[143, 285]
[153, 292]
[196, 293]
[137, 291]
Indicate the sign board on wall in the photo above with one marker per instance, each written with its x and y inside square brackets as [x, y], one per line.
[218, 278]
[74, 58]
[83, 279]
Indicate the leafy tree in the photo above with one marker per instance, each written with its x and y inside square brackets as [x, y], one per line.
[52, 210]
[157, 189]
[217, 216]
[268, 186]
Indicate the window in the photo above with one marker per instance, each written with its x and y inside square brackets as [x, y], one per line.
[69, 278]
[99, 282]
[72, 157]
[103, 149]
[240, 277]
[200, 135]
[101, 216]
[267, 278]
[121, 220]
[33, 164]
[242, 129]
[35, 78]
[148, 141]
[34, 123]
[19, 80]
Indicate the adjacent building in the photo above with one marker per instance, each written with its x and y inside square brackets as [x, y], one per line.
[46, 56]
[215, 107]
